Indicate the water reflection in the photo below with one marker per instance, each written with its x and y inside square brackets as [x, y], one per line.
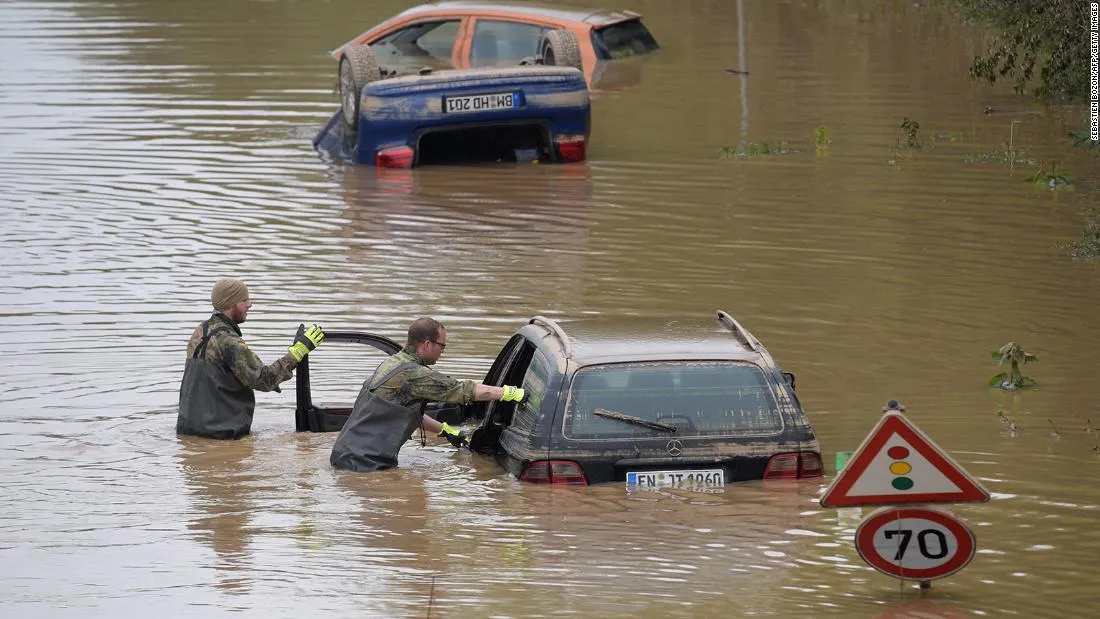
[220, 478]
[471, 237]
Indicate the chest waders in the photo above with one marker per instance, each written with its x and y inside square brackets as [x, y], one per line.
[376, 429]
[213, 403]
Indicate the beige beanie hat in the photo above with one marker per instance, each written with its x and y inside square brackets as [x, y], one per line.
[228, 292]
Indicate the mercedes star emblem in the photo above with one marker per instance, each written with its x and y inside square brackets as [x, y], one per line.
[675, 447]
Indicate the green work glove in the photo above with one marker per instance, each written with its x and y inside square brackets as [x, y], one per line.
[515, 394]
[456, 438]
[306, 340]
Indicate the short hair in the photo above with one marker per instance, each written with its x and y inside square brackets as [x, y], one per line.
[423, 329]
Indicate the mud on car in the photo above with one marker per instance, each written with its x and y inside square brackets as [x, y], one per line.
[696, 404]
[646, 403]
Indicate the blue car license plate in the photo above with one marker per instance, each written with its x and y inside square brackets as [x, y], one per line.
[480, 103]
[701, 478]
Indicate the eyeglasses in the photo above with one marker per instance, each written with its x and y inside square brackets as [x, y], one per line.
[441, 345]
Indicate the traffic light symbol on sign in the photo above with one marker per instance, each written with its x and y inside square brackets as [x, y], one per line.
[900, 467]
[897, 463]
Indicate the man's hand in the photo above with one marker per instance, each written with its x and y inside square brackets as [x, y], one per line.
[305, 341]
[515, 394]
[456, 438]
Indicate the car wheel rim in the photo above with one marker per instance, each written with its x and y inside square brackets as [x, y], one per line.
[347, 93]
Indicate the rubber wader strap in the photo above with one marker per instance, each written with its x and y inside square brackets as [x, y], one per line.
[200, 350]
[392, 373]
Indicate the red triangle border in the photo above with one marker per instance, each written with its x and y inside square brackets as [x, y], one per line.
[896, 423]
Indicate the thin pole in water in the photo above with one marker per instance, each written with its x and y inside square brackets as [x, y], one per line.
[431, 596]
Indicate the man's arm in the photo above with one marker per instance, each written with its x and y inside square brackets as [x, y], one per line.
[484, 392]
[252, 372]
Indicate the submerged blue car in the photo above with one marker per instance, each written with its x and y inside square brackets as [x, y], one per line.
[531, 112]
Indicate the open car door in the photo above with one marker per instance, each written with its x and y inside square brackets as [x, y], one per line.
[314, 417]
[309, 417]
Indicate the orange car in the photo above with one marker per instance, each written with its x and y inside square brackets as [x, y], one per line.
[445, 35]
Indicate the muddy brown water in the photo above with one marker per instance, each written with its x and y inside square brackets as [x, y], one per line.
[148, 147]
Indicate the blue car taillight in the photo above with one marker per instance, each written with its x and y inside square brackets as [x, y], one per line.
[571, 147]
[394, 157]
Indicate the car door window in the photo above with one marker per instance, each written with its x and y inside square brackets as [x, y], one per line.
[534, 384]
[504, 43]
[434, 40]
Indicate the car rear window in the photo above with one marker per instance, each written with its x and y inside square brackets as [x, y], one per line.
[624, 39]
[698, 399]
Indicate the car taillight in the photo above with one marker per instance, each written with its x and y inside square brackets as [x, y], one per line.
[783, 466]
[801, 465]
[570, 147]
[554, 472]
[394, 157]
[809, 465]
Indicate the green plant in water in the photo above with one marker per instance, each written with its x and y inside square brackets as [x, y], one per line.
[821, 140]
[1013, 379]
[1001, 156]
[911, 129]
[909, 140]
[1054, 178]
[1082, 139]
[952, 136]
[756, 149]
[1087, 246]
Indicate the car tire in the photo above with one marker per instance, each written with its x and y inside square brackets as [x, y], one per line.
[358, 67]
[560, 48]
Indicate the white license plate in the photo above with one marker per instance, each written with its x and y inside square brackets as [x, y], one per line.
[480, 103]
[703, 478]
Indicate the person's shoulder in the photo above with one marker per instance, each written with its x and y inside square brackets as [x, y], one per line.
[225, 336]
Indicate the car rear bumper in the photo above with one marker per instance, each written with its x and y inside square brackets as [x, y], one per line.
[399, 111]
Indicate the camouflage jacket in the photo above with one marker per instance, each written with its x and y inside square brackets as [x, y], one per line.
[416, 385]
[227, 349]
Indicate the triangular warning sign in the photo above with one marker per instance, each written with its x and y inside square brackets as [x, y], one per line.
[897, 463]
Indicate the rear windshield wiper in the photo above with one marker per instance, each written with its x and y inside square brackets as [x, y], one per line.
[634, 420]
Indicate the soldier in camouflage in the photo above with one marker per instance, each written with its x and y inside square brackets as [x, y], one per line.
[391, 403]
[217, 395]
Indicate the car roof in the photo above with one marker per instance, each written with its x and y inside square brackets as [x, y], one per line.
[597, 18]
[624, 338]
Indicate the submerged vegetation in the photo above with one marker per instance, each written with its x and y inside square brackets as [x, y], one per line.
[1008, 154]
[780, 147]
[908, 140]
[1052, 178]
[821, 140]
[1081, 139]
[1087, 246]
[1013, 379]
[756, 149]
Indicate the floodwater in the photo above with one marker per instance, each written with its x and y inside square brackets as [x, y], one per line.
[148, 147]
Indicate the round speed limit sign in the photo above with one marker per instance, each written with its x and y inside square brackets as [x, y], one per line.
[915, 543]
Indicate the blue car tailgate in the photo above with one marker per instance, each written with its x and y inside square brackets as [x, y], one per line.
[395, 111]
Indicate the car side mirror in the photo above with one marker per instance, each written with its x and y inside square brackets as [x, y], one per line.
[790, 379]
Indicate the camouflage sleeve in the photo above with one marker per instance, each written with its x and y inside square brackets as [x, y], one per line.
[252, 372]
[428, 384]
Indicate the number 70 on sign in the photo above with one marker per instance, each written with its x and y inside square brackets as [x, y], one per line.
[915, 543]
